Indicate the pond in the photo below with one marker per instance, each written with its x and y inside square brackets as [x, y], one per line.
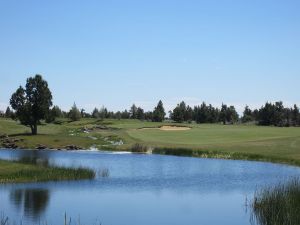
[140, 190]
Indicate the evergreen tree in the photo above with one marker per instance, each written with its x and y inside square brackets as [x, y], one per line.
[179, 113]
[118, 115]
[201, 113]
[95, 113]
[53, 113]
[133, 112]
[255, 114]
[266, 114]
[213, 114]
[8, 112]
[232, 115]
[149, 116]
[103, 113]
[74, 113]
[159, 112]
[223, 114]
[82, 113]
[140, 113]
[247, 115]
[188, 115]
[295, 116]
[125, 114]
[279, 114]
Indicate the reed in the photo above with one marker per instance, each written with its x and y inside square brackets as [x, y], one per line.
[16, 172]
[277, 205]
[4, 220]
[222, 155]
[139, 148]
[104, 173]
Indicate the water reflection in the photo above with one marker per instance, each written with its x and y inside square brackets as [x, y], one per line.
[33, 157]
[176, 190]
[33, 202]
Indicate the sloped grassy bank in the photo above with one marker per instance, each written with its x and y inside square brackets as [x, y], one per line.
[246, 142]
[188, 152]
[19, 172]
[224, 155]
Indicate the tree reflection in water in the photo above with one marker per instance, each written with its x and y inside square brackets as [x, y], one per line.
[33, 201]
[33, 157]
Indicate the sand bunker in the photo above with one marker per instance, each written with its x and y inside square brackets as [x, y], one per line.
[169, 128]
[175, 128]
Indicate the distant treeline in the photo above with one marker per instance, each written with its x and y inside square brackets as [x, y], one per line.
[33, 103]
[269, 114]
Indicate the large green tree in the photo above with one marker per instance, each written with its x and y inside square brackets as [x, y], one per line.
[32, 103]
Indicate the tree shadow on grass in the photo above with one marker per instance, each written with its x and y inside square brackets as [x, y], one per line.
[25, 134]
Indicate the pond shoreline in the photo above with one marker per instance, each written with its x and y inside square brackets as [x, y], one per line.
[235, 142]
[139, 178]
[186, 152]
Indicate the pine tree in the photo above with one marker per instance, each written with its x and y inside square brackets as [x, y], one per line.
[159, 112]
[74, 113]
[8, 112]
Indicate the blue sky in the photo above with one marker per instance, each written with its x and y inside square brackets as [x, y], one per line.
[116, 53]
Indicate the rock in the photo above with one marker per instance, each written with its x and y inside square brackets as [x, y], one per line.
[86, 130]
[41, 147]
[72, 147]
[2, 136]
[100, 127]
[6, 140]
[10, 145]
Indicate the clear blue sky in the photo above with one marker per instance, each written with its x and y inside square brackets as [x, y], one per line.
[116, 53]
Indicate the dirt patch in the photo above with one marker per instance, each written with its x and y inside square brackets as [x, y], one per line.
[168, 128]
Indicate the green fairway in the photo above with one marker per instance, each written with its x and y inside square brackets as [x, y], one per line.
[281, 144]
[232, 138]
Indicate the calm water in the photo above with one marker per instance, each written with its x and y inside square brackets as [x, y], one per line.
[141, 190]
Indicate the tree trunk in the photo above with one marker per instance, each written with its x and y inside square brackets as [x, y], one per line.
[33, 129]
